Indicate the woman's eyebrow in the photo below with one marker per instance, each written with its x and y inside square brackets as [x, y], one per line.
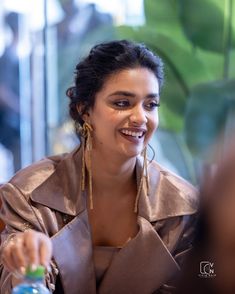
[130, 94]
[153, 96]
[123, 93]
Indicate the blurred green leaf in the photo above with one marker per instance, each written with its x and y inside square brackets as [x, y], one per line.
[158, 11]
[206, 114]
[205, 23]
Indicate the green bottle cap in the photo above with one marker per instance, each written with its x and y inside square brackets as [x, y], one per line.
[38, 273]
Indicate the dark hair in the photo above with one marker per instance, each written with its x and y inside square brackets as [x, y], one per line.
[104, 60]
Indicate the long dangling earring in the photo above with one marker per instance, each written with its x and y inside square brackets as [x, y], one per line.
[146, 169]
[87, 147]
[144, 176]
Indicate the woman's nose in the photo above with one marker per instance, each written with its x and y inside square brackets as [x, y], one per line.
[138, 116]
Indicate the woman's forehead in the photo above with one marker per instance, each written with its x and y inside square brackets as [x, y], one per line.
[132, 77]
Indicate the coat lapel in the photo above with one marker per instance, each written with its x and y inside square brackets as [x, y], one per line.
[72, 251]
[140, 267]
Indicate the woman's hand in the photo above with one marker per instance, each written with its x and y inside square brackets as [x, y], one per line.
[29, 248]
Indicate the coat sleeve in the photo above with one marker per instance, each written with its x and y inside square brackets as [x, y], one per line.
[18, 215]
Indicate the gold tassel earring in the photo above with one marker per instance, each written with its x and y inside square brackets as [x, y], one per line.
[144, 176]
[87, 147]
[146, 170]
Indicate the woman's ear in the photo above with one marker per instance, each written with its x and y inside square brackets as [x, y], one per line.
[80, 110]
[85, 117]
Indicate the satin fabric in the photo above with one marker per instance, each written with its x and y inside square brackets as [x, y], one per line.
[47, 197]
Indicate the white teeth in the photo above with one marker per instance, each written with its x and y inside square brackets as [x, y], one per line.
[133, 134]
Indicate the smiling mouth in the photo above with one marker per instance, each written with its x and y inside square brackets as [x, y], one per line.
[136, 135]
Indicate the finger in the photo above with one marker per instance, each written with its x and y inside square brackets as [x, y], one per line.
[45, 250]
[31, 244]
[8, 253]
[7, 260]
[18, 255]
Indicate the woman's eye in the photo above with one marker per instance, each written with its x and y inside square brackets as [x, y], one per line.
[122, 103]
[152, 105]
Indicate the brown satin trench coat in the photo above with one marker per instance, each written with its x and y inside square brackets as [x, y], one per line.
[46, 196]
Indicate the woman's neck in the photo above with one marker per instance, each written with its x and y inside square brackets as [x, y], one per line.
[109, 172]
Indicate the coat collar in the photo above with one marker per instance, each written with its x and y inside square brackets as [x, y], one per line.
[61, 190]
[169, 195]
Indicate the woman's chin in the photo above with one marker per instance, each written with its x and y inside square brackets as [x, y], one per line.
[132, 153]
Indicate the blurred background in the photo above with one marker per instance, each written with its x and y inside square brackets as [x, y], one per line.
[41, 41]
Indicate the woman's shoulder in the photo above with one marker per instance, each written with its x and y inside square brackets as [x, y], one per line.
[30, 177]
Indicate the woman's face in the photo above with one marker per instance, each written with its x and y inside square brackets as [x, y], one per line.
[125, 113]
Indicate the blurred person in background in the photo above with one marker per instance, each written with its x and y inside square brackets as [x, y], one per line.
[104, 217]
[82, 24]
[9, 93]
[210, 267]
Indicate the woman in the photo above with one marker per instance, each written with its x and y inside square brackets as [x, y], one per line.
[117, 222]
